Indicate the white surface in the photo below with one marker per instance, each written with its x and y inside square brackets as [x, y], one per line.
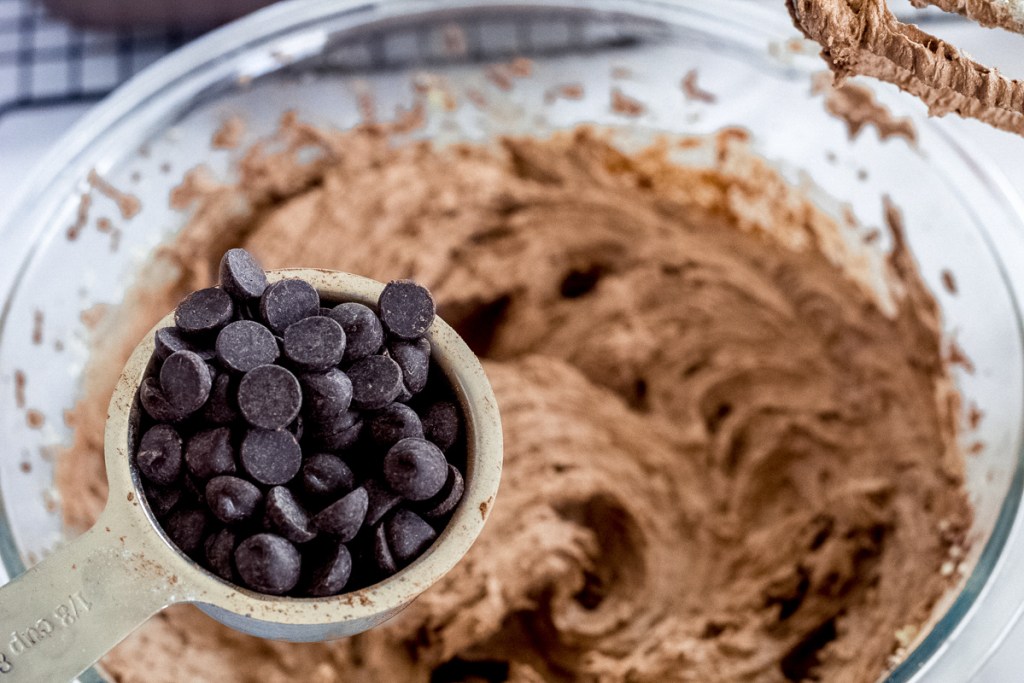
[26, 135]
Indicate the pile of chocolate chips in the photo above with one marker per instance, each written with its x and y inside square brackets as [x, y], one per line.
[297, 446]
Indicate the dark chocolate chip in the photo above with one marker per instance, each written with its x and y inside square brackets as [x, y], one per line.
[415, 469]
[162, 499]
[186, 381]
[155, 403]
[241, 276]
[441, 424]
[288, 301]
[341, 435]
[220, 553]
[271, 457]
[269, 397]
[380, 501]
[445, 501]
[231, 499]
[326, 396]
[209, 453]
[390, 425]
[406, 309]
[344, 517]
[159, 455]
[186, 527]
[244, 345]
[325, 474]
[168, 340]
[408, 536]
[268, 563]
[404, 395]
[382, 553]
[222, 406]
[376, 382]
[287, 518]
[314, 344]
[205, 311]
[414, 360]
[324, 310]
[333, 574]
[363, 332]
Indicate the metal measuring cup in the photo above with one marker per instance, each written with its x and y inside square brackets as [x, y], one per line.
[69, 610]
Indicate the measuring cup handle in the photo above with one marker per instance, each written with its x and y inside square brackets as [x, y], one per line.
[69, 610]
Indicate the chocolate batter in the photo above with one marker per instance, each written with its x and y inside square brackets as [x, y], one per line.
[730, 455]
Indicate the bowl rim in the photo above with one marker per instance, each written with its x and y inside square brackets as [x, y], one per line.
[282, 18]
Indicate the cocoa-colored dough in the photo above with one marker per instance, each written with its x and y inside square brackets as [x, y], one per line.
[857, 107]
[1008, 14]
[724, 461]
[864, 37]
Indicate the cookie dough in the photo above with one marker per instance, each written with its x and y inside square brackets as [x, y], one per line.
[1008, 14]
[864, 37]
[730, 449]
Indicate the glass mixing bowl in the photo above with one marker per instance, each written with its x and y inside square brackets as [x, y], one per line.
[321, 57]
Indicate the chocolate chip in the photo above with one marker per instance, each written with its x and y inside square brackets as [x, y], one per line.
[392, 424]
[222, 406]
[333, 574]
[415, 469]
[185, 381]
[380, 500]
[376, 381]
[286, 517]
[161, 499]
[406, 309]
[441, 424]
[325, 474]
[363, 332]
[326, 396]
[288, 301]
[404, 395]
[220, 552]
[241, 276]
[168, 340]
[414, 360]
[186, 527]
[314, 344]
[344, 517]
[408, 536]
[159, 455]
[269, 397]
[155, 403]
[205, 311]
[341, 435]
[244, 345]
[445, 501]
[271, 457]
[268, 563]
[231, 499]
[210, 453]
[382, 553]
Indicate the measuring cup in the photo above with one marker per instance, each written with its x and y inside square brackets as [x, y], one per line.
[62, 615]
